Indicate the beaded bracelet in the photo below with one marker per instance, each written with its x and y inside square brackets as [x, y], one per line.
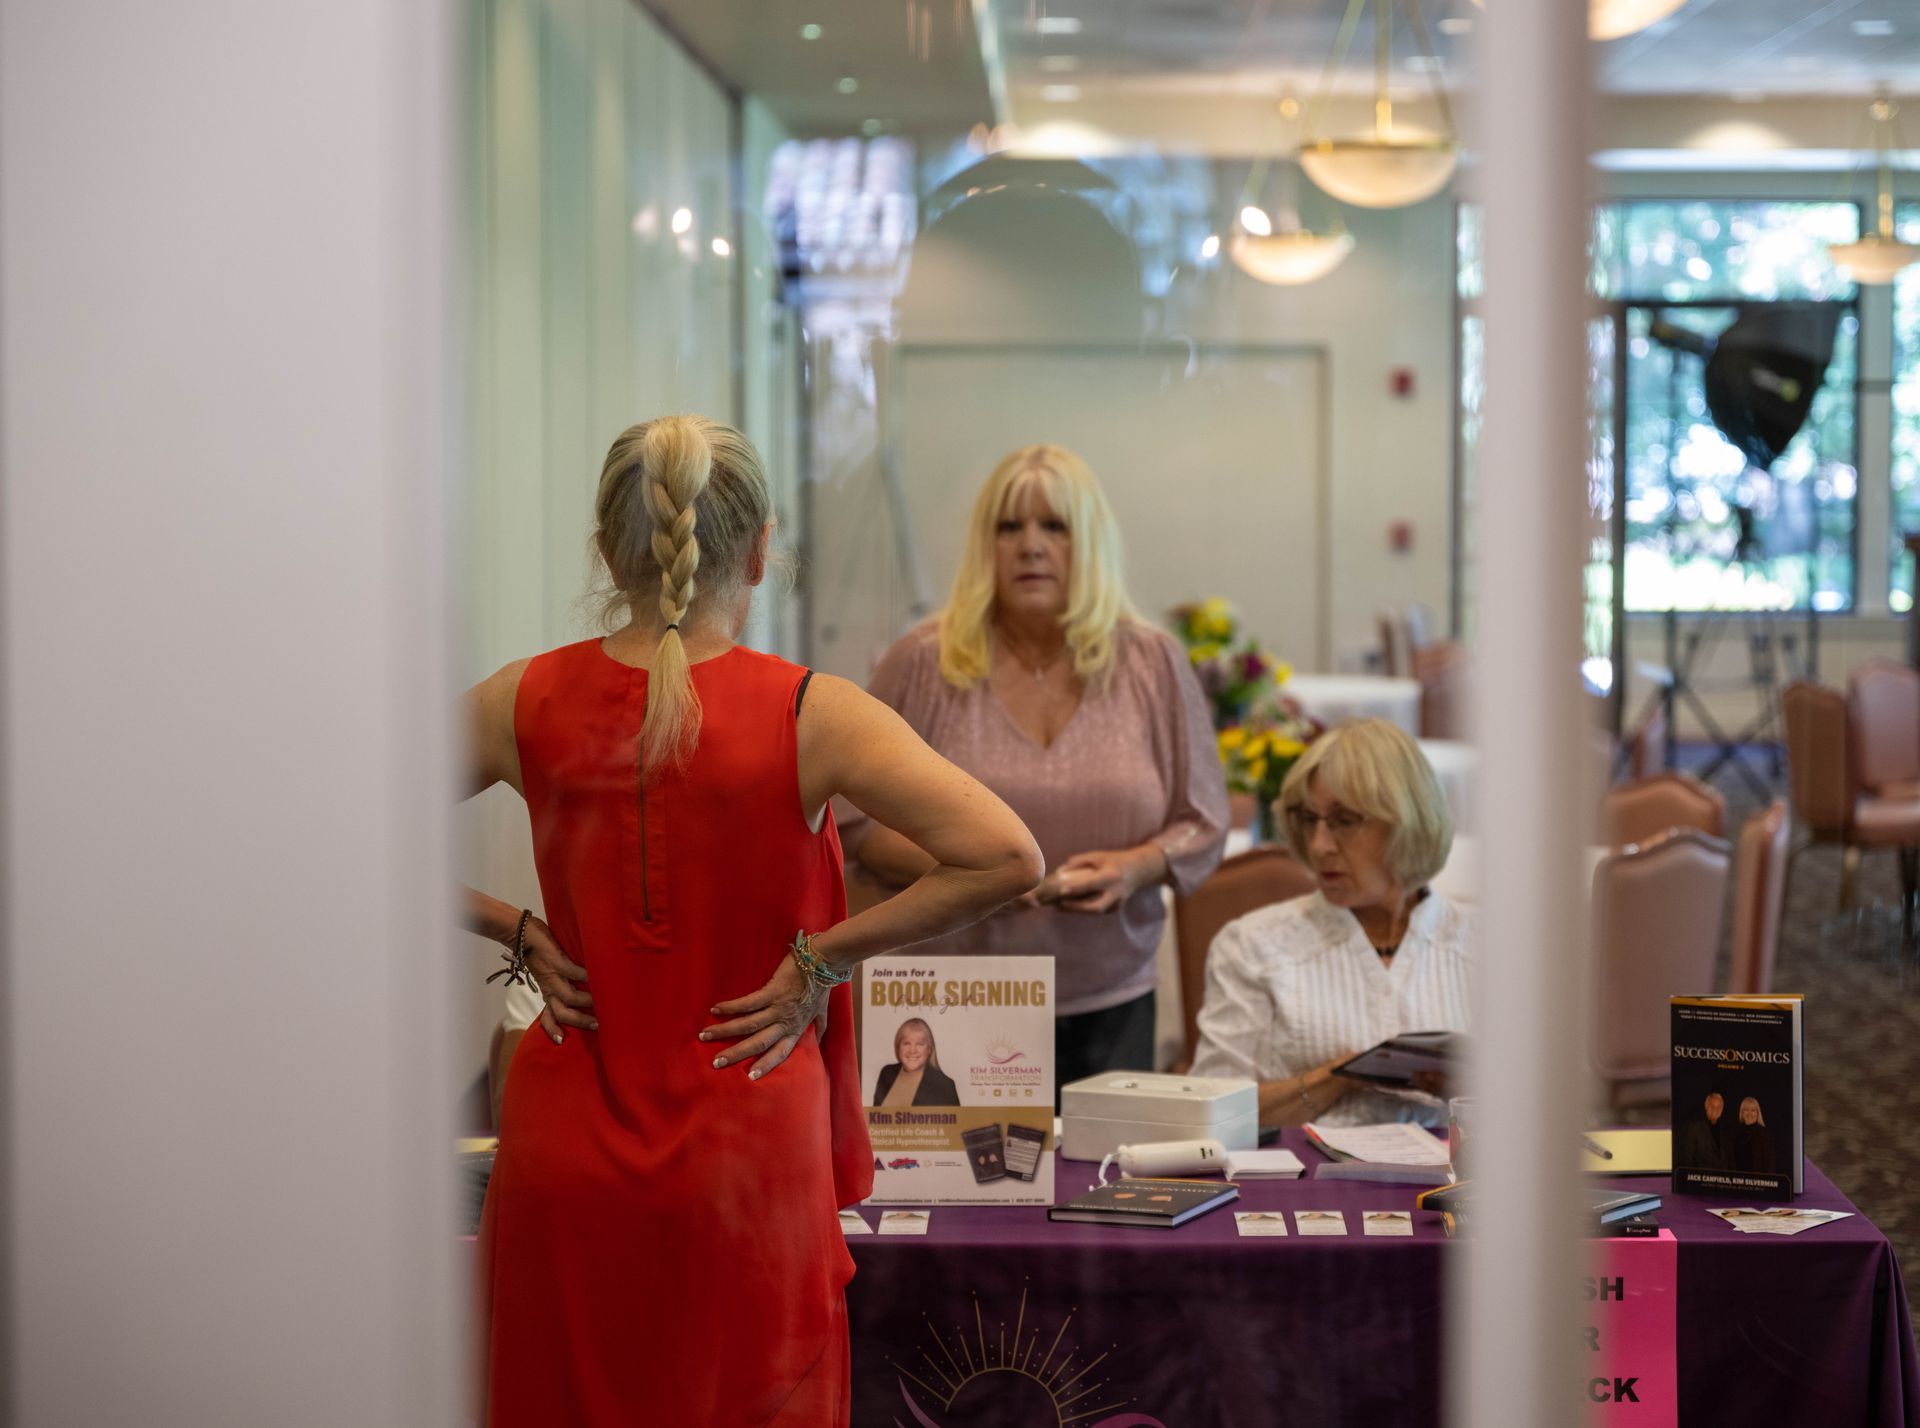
[818, 970]
[516, 971]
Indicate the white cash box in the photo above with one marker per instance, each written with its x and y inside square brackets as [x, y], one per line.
[1119, 1108]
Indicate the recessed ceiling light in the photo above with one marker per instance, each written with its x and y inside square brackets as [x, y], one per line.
[1873, 28]
[682, 220]
[1455, 25]
[811, 32]
[1425, 64]
[848, 85]
[1059, 64]
[1210, 246]
[871, 127]
[1057, 25]
[722, 248]
[1060, 93]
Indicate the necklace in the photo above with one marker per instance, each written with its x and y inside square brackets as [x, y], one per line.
[1039, 672]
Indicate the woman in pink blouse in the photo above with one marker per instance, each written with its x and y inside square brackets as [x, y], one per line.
[1040, 680]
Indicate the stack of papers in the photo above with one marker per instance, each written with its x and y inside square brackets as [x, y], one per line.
[1394, 1143]
[1263, 1165]
[1781, 1220]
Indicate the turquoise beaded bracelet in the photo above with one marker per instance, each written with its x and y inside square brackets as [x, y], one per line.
[817, 969]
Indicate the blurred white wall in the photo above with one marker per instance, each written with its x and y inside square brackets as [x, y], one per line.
[1377, 457]
[225, 437]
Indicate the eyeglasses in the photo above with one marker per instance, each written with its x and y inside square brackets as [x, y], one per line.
[1343, 823]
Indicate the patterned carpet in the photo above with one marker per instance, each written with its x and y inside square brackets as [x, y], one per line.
[1862, 1025]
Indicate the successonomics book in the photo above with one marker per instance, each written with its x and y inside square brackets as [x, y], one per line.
[1737, 1113]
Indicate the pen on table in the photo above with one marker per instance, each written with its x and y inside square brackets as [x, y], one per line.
[1598, 1149]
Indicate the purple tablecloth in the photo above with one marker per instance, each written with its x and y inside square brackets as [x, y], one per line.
[968, 1326]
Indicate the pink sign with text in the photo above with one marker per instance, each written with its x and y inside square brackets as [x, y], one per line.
[1629, 1373]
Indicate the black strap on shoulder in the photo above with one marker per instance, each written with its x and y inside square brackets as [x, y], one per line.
[800, 694]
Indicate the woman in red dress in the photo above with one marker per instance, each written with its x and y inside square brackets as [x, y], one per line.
[660, 1242]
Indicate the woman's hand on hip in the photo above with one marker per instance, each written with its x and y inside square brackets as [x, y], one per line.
[1100, 882]
[554, 974]
[769, 1023]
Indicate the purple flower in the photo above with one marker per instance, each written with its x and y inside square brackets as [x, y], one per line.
[1252, 666]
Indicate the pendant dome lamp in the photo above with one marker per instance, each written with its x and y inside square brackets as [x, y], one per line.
[1878, 257]
[1276, 247]
[1397, 164]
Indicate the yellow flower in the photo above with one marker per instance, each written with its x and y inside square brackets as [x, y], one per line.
[1282, 673]
[1289, 748]
[1232, 739]
[1257, 770]
[1258, 745]
[1201, 653]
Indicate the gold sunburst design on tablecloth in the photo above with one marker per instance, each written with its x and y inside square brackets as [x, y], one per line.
[1017, 1380]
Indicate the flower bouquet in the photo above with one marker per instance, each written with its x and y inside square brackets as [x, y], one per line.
[1257, 755]
[1233, 673]
[1260, 731]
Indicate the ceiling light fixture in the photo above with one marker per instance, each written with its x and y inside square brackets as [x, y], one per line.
[1059, 64]
[1210, 247]
[1876, 258]
[811, 32]
[682, 220]
[1284, 253]
[847, 84]
[1395, 165]
[1059, 93]
[722, 248]
[1455, 25]
[1057, 25]
[1872, 29]
[1616, 19]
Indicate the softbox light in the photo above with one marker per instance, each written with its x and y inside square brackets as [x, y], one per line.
[1762, 371]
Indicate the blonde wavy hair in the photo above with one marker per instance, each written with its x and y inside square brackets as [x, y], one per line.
[1096, 592]
[1374, 767]
[680, 497]
[900, 1032]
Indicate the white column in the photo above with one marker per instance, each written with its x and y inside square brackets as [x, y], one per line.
[224, 416]
[1513, 1356]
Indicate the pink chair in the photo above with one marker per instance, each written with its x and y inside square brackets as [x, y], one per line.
[1883, 727]
[1647, 807]
[1825, 775]
[1659, 909]
[1648, 746]
[1759, 895]
[1396, 646]
[1244, 882]
[1442, 669]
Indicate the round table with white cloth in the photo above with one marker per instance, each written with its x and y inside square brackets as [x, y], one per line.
[1336, 698]
[1454, 764]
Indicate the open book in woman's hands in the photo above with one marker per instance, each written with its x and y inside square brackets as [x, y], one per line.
[1398, 1061]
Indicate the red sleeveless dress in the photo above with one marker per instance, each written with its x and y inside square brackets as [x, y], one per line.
[660, 1242]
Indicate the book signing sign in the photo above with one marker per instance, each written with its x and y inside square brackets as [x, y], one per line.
[956, 1056]
[1629, 1375]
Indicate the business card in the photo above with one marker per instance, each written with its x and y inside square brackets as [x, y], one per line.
[1253, 1224]
[1320, 1222]
[905, 1222]
[1387, 1222]
[852, 1222]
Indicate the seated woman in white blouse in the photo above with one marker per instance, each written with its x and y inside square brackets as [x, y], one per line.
[1296, 988]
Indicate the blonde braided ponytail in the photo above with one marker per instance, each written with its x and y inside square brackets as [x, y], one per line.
[678, 494]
